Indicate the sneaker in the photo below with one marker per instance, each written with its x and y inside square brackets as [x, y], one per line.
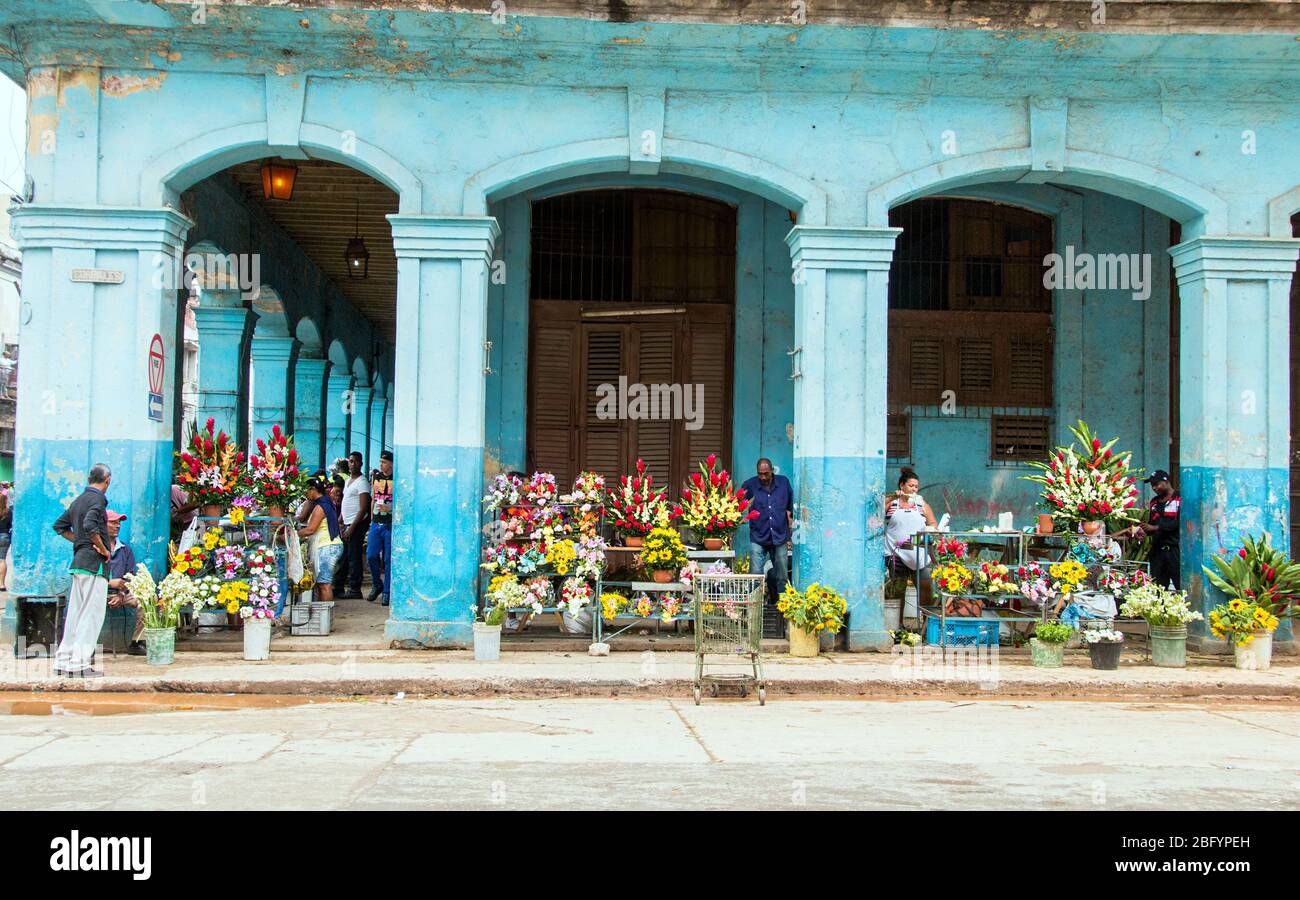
[375, 593]
[383, 599]
[136, 648]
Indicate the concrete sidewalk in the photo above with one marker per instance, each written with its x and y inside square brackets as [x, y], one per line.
[453, 673]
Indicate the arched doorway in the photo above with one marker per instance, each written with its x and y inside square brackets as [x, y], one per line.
[631, 310]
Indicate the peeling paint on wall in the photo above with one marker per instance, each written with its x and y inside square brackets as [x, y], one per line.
[122, 85]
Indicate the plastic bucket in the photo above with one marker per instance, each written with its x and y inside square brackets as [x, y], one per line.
[487, 642]
[160, 646]
[1045, 655]
[803, 643]
[1169, 646]
[893, 615]
[1105, 654]
[210, 620]
[1257, 655]
[257, 639]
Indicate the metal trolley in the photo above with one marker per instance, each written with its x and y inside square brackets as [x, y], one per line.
[729, 622]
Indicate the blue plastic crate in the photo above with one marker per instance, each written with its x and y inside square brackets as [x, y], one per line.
[963, 632]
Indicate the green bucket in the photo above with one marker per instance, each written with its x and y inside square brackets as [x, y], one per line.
[160, 646]
[1045, 655]
[1169, 646]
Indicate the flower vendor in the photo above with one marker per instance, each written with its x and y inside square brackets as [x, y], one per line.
[769, 532]
[1162, 527]
[907, 514]
[324, 544]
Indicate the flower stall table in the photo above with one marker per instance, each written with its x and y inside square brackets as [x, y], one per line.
[683, 614]
[252, 531]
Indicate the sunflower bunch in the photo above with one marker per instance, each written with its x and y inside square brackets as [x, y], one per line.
[816, 609]
[663, 550]
[1068, 575]
[952, 578]
[611, 604]
[560, 555]
[1240, 620]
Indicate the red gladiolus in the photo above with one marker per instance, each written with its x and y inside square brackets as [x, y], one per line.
[1108, 453]
[1096, 444]
[711, 459]
[753, 514]
[1242, 552]
[207, 446]
[640, 466]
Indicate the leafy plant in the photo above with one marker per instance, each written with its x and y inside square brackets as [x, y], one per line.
[1053, 633]
[1257, 573]
[816, 609]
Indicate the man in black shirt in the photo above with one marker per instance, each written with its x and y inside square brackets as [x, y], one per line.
[1162, 527]
[85, 524]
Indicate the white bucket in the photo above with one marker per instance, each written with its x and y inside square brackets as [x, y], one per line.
[487, 642]
[893, 615]
[910, 610]
[1257, 655]
[257, 639]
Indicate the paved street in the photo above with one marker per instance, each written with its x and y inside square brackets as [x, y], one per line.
[649, 753]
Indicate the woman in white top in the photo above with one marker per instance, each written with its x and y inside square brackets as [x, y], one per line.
[906, 514]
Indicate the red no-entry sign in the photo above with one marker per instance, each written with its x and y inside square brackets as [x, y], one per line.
[156, 364]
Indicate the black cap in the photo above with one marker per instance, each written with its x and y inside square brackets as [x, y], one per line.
[387, 454]
[1157, 475]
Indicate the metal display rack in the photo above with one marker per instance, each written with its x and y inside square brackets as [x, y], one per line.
[276, 534]
[684, 614]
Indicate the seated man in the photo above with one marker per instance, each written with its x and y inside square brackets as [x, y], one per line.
[121, 562]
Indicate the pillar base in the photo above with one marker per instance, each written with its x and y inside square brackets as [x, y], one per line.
[409, 634]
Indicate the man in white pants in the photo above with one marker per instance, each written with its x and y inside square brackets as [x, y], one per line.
[85, 524]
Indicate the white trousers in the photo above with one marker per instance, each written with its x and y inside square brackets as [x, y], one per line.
[87, 604]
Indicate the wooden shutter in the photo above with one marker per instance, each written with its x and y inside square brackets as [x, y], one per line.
[655, 364]
[1020, 437]
[602, 446]
[550, 408]
[976, 365]
[1030, 372]
[926, 367]
[710, 359]
[898, 436]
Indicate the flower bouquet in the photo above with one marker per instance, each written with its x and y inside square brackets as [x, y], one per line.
[207, 593]
[1259, 574]
[502, 491]
[241, 508]
[636, 508]
[611, 604]
[813, 610]
[952, 578]
[561, 556]
[210, 467]
[1067, 576]
[575, 593]
[1087, 484]
[1241, 621]
[995, 580]
[587, 498]
[670, 607]
[273, 476]
[663, 553]
[539, 490]
[232, 595]
[229, 562]
[591, 556]
[538, 593]
[711, 508]
[175, 592]
[263, 596]
[190, 562]
[950, 550]
[260, 561]
[1160, 607]
[643, 606]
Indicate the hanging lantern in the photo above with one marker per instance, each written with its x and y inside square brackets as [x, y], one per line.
[277, 179]
[356, 254]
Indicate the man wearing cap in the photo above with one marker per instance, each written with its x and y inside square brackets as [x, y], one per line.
[121, 562]
[380, 539]
[1162, 527]
[85, 524]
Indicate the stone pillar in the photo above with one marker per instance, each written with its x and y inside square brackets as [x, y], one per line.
[1234, 367]
[841, 331]
[378, 405]
[86, 377]
[222, 320]
[308, 389]
[271, 354]
[359, 438]
[442, 277]
[388, 426]
[338, 404]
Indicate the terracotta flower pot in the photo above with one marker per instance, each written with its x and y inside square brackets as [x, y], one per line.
[211, 510]
[275, 512]
[713, 543]
[1091, 527]
[1045, 524]
[663, 576]
[633, 540]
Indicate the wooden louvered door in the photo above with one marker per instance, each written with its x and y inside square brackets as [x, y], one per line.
[552, 421]
[602, 442]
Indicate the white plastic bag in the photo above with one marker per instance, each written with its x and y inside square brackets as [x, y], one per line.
[293, 557]
[189, 537]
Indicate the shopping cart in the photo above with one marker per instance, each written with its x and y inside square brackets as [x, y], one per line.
[729, 622]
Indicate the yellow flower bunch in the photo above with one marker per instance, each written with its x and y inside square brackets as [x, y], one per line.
[952, 578]
[212, 538]
[236, 516]
[1239, 620]
[501, 581]
[995, 578]
[232, 595]
[817, 609]
[1068, 575]
[190, 562]
[560, 555]
[611, 604]
[663, 549]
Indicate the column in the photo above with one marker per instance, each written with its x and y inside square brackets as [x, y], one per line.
[378, 405]
[1234, 391]
[271, 354]
[338, 405]
[388, 426]
[308, 389]
[442, 269]
[222, 320]
[75, 410]
[841, 330]
[359, 438]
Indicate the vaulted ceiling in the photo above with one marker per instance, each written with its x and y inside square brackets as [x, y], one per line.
[330, 204]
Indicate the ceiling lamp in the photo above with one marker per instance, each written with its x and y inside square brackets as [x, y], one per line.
[277, 179]
[357, 256]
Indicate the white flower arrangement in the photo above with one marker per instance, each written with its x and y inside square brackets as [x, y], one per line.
[1103, 636]
[205, 592]
[1159, 606]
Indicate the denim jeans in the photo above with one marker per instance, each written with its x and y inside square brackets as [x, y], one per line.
[758, 556]
[379, 554]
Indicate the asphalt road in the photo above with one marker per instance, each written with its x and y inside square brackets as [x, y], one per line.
[655, 754]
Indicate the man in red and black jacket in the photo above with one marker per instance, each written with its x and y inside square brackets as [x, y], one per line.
[1162, 527]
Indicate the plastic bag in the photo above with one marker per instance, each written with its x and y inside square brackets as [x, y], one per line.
[189, 537]
[293, 558]
[579, 622]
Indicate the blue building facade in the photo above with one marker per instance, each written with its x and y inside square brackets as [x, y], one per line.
[1139, 138]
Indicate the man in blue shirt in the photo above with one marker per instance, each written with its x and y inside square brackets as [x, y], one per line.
[771, 496]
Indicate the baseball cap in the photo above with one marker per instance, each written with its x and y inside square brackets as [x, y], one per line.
[115, 516]
[1157, 475]
[387, 454]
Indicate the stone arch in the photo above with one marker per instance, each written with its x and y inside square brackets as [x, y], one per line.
[185, 164]
[360, 371]
[1199, 210]
[308, 335]
[268, 305]
[1280, 210]
[690, 158]
[338, 355]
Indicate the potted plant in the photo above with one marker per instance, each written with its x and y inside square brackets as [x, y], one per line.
[635, 507]
[487, 626]
[1104, 646]
[1089, 486]
[273, 476]
[160, 618]
[1166, 613]
[1250, 627]
[711, 508]
[209, 469]
[1047, 646]
[663, 554]
[809, 613]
